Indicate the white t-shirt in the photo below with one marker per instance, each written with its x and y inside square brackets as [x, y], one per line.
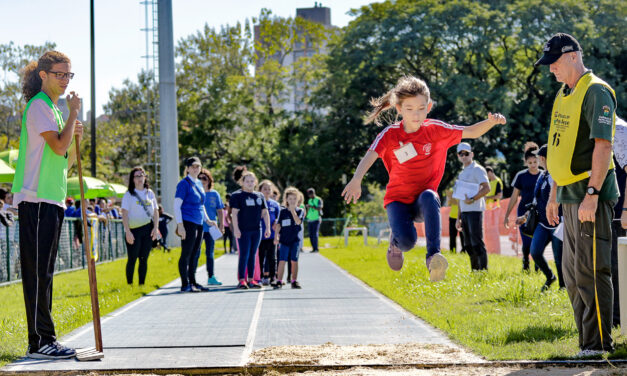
[473, 173]
[620, 142]
[39, 119]
[137, 216]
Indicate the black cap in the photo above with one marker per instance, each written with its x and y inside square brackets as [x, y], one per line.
[191, 160]
[559, 44]
[542, 151]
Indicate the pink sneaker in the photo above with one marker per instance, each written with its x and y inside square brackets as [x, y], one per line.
[437, 266]
[395, 258]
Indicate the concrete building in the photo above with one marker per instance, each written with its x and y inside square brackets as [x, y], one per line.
[294, 98]
[62, 104]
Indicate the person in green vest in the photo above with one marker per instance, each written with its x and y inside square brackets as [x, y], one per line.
[579, 159]
[40, 188]
[314, 217]
[492, 200]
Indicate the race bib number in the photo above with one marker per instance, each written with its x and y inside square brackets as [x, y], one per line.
[285, 223]
[250, 202]
[405, 153]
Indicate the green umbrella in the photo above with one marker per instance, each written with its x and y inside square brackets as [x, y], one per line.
[94, 188]
[10, 157]
[6, 172]
[118, 189]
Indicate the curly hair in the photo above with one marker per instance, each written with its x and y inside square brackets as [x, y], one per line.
[31, 82]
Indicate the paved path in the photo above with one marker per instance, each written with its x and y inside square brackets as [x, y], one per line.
[168, 329]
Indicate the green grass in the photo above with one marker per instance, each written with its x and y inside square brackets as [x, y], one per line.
[71, 305]
[499, 314]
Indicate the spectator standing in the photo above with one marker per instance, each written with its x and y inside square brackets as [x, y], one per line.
[288, 226]
[314, 207]
[164, 219]
[226, 220]
[140, 216]
[493, 199]
[524, 185]
[214, 208]
[267, 246]
[472, 208]
[619, 224]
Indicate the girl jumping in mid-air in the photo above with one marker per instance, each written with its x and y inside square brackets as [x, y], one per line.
[414, 154]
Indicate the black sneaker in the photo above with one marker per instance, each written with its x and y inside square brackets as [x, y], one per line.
[296, 285]
[186, 288]
[200, 287]
[53, 350]
[548, 283]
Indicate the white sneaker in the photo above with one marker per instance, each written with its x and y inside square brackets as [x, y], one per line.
[590, 353]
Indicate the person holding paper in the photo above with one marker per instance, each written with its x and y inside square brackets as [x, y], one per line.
[414, 154]
[475, 183]
[214, 207]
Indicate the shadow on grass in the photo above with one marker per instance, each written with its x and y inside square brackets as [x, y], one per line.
[8, 358]
[538, 334]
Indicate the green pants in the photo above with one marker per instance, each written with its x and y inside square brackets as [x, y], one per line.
[579, 273]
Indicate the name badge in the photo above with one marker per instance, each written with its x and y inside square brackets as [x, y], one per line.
[285, 223]
[405, 152]
[250, 202]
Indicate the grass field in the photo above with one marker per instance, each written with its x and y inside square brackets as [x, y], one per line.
[500, 314]
[71, 307]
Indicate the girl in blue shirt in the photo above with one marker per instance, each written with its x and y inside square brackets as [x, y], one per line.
[190, 214]
[288, 228]
[247, 209]
[267, 248]
[213, 207]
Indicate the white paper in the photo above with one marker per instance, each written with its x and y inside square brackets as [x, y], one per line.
[559, 231]
[215, 232]
[405, 153]
[464, 190]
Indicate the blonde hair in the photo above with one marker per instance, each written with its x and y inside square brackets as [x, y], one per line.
[292, 191]
[244, 175]
[406, 87]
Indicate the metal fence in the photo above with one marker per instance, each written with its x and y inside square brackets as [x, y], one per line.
[107, 244]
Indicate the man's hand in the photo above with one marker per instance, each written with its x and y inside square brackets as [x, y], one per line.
[78, 130]
[469, 201]
[588, 208]
[552, 212]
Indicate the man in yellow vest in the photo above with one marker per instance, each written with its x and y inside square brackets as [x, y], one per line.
[579, 159]
[40, 188]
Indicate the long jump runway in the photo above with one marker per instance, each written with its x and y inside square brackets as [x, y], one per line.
[167, 329]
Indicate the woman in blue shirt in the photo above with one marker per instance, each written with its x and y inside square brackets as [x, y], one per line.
[287, 230]
[213, 207]
[190, 214]
[524, 185]
[247, 209]
[267, 248]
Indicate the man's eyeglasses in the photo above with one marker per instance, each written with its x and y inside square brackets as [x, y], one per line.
[463, 153]
[62, 75]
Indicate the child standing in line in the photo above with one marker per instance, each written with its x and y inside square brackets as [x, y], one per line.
[248, 207]
[414, 154]
[288, 228]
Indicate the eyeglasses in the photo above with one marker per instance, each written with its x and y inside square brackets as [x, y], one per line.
[203, 178]
[463, 153]
[139, 176]
[62, 75]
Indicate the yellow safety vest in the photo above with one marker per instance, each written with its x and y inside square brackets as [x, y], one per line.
[494, 203]
[564, 127]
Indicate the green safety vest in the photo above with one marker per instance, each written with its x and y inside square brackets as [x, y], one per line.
[53, 168]
[313, 214]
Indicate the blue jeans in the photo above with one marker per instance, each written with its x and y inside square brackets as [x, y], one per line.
[248, 244]
[209, 246]
[313, 227]
[541, 238]
[425, 209]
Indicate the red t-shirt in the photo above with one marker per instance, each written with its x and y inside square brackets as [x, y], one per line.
[424, 171]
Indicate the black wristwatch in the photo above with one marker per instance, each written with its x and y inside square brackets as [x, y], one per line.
[592, 191]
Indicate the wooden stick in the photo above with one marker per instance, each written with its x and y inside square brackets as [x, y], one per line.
[91, 263]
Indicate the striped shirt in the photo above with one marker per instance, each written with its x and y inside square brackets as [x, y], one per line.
[424, 171]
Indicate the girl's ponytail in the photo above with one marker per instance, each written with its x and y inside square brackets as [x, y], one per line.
[379, 105]
[406, 87]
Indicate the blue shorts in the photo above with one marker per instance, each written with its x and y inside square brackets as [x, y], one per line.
[288, 252]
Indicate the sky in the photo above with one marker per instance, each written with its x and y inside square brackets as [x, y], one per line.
[120, 43]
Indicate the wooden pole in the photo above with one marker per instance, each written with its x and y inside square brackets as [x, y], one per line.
[91, 263]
